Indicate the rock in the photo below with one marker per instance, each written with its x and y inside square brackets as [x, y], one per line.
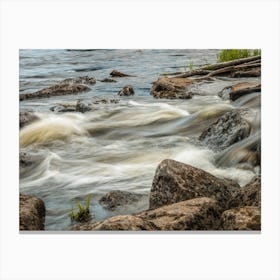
[63, 108]
[195, 214]
[29, 160]
[171, 88]
[175, 181]
[67, 86]
[31, 212]
[249, 195]
[116, 73]
[235, 91]
[254, 72]
[108, 80]
[123, 222]
[226, 130]
[114, 199]
[242, 218]
[26, 118]
[82, 106]
[126, 91]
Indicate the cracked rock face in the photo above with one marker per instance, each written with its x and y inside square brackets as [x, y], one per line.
[175, 181]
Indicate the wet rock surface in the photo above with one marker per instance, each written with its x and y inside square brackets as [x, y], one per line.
[65, 87]
[26, 118]
[236, 91]
[118, 198]
[175, 181]
[226, 130]
[108, 80]
[195, 214]
[116, 73]
[242, 218]
[126, 91]
[31, 212]
[171, 88]
[249, 195]
[83, 106]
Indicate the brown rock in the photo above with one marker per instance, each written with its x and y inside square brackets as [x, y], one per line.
[116, 73]
[114, 199]
[107, 80]
[175, 181]
[195, 214]
[67, 86]
[31, 212]
[235, 91]
[250, 195]
[242, 218]
[171, 88]
[126, 91]
[124, 222]
[226, 130]
[26, 118]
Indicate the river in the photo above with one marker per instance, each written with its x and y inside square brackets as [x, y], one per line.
[118, 146]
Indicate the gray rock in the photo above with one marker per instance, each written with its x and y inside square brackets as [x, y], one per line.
[242, 218]
[226, 130]
[175, 181]
[126, 91]
[26, 118]
[116, 73]
[118, 198]
[32, 213]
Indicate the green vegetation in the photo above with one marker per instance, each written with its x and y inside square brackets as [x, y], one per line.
[83, 213]
[191, 65]
[231, 54]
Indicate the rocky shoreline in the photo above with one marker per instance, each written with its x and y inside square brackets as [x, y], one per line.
[182, 197]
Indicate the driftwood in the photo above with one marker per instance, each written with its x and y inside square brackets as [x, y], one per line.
[249, 65]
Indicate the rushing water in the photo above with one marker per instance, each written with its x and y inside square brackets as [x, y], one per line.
[118, 146]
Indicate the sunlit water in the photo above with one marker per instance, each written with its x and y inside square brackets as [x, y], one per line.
[118, 146]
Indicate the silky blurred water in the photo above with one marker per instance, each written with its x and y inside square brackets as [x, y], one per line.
[118, 146]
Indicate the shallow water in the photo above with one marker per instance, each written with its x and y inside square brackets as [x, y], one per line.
[118, 146]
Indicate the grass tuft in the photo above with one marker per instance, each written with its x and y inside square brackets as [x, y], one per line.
[83, 212]
[232, 54]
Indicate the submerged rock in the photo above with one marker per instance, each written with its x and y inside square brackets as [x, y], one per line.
[116, 73]
[67, 86]
[117, 198]
[195, 214]
[31, 213]
[175, 181]
[226, 130]
[171, 88]
[29, 160]
[108, 80]
[242, 218]
[235, 91]
[126, 91]
[26, 118]
[250, 195]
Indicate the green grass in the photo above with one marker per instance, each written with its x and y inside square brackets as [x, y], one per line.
[83, 212]
[232, 54]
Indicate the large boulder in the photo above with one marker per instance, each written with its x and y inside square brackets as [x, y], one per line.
[31, 213]
[195, 214]
[67, 86]
[242, 218]
[26, 118]
[171, 88]
[126, 91]
[226, 130]
[250, 195]
[236, 91]
[114, 199]
[175, 181]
